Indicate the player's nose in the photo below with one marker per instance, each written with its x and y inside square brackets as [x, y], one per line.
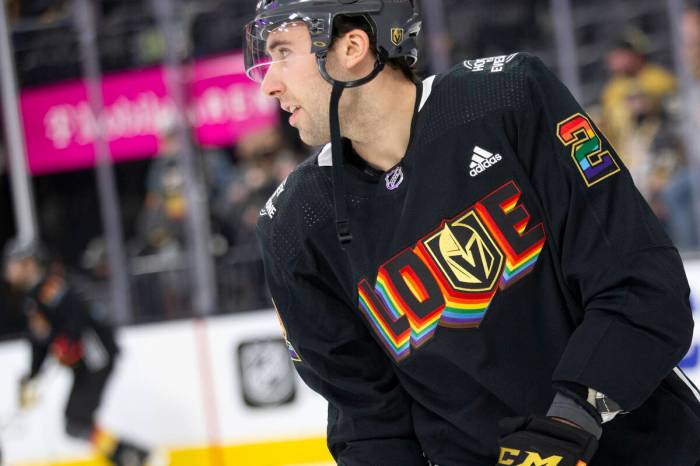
[272, 85]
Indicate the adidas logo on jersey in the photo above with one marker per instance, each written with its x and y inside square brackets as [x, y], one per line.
[482, 160]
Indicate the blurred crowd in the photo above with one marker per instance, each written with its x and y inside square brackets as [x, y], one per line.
[238, 181]
[643, 110]
[648, 118]
[45, 42]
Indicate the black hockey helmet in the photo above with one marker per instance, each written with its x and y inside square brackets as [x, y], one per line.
[395, 25]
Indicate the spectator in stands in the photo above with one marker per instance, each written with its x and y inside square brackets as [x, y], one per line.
[631, 73]
[691, 39]
[162, 222]
[641, 121]
[161, 238]
[264, 159]
[263, 162]
[163, 214]
[651, 147]
[681, 194]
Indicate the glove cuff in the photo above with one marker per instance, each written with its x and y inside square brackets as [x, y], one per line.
[567, 433]
[566, 408]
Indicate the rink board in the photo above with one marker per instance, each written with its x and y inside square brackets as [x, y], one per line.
[308, 452]
[178, 386]
[183, 386]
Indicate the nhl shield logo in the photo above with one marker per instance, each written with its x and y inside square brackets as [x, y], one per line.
[397, 36]
[467, 255]
[394, 178]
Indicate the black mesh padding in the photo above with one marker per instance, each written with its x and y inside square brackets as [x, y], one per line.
[462, 96]
[356, 201]
[305, 204]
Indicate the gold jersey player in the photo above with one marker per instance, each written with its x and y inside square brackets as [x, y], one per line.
[465, 271]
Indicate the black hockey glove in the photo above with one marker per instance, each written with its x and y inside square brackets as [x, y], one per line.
[537, 440]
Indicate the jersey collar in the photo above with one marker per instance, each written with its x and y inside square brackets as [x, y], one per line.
[325, 157]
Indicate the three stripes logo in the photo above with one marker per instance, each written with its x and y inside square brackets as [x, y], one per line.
[482, 160]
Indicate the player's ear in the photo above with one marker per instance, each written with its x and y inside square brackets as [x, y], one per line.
[356, 48]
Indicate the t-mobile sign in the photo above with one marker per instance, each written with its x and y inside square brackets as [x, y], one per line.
[60, 127]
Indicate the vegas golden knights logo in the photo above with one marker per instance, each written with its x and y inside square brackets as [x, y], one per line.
[450, 276]
[397, 36]
[466, 254]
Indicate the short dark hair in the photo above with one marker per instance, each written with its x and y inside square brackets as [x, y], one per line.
[343, 24]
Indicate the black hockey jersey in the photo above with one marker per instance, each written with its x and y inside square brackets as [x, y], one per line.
[75, 336]
[509, 252]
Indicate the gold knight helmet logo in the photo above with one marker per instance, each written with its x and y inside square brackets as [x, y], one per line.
[397, 36]
[466, 254]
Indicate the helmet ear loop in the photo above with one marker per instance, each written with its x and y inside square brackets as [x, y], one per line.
[321, 61]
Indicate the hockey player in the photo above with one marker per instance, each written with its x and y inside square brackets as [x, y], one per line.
[59, 323]
[468, 275]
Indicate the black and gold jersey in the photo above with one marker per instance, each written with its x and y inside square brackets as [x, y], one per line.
[508, 254]
[60, 322]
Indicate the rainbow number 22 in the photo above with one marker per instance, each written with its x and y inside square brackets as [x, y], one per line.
[592, 161]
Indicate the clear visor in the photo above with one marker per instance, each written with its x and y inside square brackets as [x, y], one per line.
[268, 41]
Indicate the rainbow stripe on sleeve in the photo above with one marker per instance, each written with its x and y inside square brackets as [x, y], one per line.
[397, 345]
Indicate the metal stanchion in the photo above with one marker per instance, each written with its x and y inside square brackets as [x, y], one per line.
[22, 195]
[565, 38]
[84, 16]
[197, 227]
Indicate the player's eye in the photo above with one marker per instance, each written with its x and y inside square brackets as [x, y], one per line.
[284, 52]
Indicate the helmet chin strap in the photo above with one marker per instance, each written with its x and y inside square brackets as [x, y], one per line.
[342, 218]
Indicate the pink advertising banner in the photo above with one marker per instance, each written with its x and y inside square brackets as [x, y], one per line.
[59, 126]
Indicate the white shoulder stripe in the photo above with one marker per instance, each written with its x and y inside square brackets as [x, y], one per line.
[685, 380]
[427, 90]
[325, 157]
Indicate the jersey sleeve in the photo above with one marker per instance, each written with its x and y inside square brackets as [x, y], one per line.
[624, 279]
[369, 414]
[74, 314]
